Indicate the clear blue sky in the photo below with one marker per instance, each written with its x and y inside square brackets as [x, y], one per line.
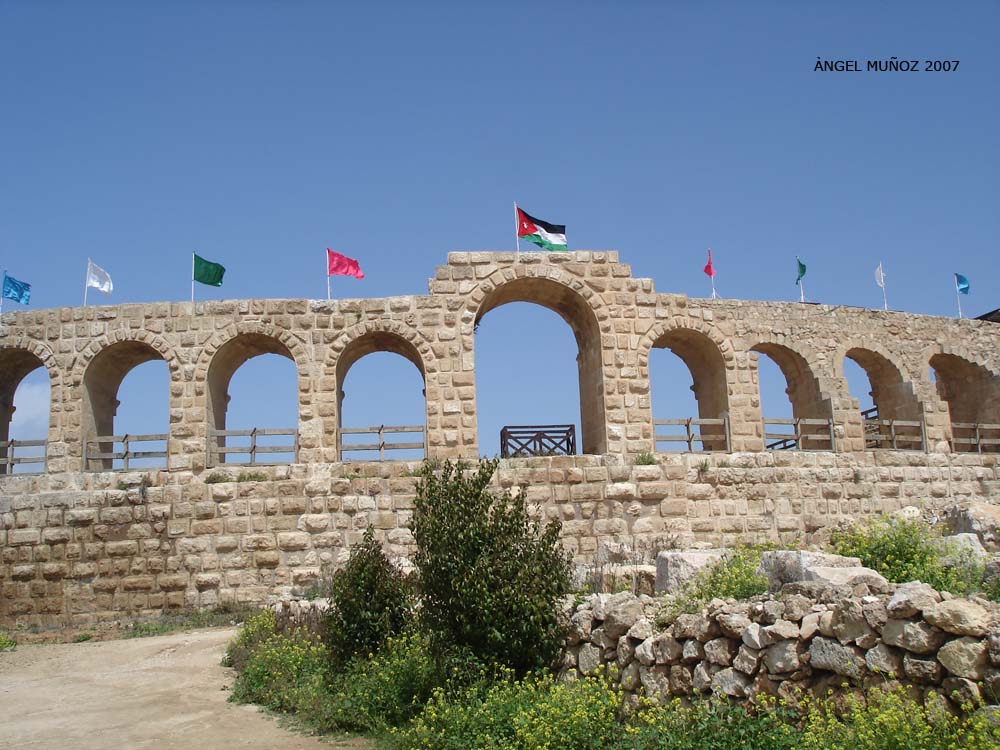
[259, 133]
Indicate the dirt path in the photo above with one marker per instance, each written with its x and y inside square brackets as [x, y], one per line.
[166, 692]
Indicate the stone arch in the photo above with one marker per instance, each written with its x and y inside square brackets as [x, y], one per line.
[18, 358]
[807, 397]
[102, 366]
[706, 355]
[892, 391]
[576, 304]
[381, 336]
[230, 349]
[972, 393]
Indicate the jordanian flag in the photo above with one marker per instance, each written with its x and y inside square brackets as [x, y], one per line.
[543, 234]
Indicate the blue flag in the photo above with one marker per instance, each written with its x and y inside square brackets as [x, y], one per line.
[961, 284]
[16, 290]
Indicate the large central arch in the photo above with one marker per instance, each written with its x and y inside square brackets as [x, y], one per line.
[572, 307]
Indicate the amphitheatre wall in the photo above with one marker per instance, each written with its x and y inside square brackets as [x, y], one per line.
[82, 541]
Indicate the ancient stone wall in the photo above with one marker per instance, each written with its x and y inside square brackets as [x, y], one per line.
[80, 541]
[617, 320]
[89, 546]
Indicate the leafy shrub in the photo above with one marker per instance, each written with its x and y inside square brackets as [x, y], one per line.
[734, 576]
[539, 713]
[908, 550]
[7, 642]
[889, 719]
[82, 637]
[489, 576]
[252, 476]
[276, 666]
[645, 459]
[217, 477]
[373, 691]
[256, 629]
[370, 601]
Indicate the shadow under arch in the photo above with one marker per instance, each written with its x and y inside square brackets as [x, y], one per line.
[101, 380]
[573, 308]
[893, 396]
[972, 393]
[707, 366]
[15, 365]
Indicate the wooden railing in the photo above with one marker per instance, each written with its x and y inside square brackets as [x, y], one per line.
[381, 446]
[537, 440]
[805, 435]
[221, 452]
[894, 434]
[8, 459]
[973, 437]
[102, 449]
[715, 438]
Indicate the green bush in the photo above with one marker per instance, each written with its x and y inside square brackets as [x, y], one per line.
[905, 550]
[645, 459]
[252, 476]
[277, 666]
[489, 576]
[539, 713]
[256, 629]
[7, 642]
[217, 477]
[734, 576]
[889, 719]
[370, 601]
[373, 691]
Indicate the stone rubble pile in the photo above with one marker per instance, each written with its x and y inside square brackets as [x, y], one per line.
[811, 636]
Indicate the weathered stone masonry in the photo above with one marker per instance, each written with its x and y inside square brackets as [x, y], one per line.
[73, 545]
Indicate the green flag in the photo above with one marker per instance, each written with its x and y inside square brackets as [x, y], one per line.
[207, 272]
[802, 270]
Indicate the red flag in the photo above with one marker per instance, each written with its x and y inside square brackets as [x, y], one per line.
[341, 265]
[709, 268]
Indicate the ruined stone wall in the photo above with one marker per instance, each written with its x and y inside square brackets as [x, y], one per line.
[617, 320]
[81, 547]
[75, 545]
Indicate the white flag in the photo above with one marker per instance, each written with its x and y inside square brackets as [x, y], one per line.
[98, 278]
[880, 276]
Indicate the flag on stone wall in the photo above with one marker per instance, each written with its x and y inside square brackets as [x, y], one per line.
[19, 291]
[207, 272]
[543, 234]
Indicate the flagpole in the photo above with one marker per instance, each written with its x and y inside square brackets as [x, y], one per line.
[958, 298]
[517, 238]
[802, 291]
[885, 300]
[192, 276]
[326, 270]
[86, 278]
[712, 277]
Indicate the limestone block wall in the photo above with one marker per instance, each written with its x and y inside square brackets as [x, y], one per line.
[617, 320]
[80, 547]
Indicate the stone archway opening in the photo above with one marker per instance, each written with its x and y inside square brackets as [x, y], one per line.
[890, 411]
[682, 357]
[25, 396]
[527, 360]
[252, 402]
[803, 420]
[381, 401]
[114, 409]
[973, 396]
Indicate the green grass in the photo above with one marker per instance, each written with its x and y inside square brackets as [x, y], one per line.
[210, 618]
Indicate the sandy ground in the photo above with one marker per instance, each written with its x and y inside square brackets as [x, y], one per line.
[166, 692]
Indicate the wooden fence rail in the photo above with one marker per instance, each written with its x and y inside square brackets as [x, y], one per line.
[716, 438]
[801, 439]
[219, 451]
[380, 431]
[968, 437]
[102, 449]
[537, 440]
[9, 459]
